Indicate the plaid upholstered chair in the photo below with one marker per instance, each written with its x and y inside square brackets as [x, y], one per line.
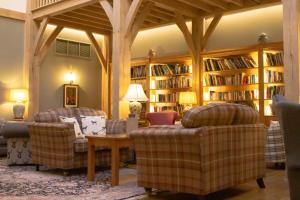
[218, 146]
[54, 144]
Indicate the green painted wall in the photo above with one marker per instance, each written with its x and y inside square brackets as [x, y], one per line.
[11, 61]
[55, 67]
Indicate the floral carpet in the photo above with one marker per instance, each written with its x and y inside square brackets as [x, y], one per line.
[24, 182]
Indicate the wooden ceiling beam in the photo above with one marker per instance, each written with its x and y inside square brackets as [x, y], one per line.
[198, 4]
[217, 3]
[160, 16]
[163, 11]
[182, 7]
[239, 3]
[89, 17]
[60, 7]
[79, 26]
[86, 21]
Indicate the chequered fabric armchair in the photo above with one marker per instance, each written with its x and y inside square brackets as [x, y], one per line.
[54, 144]
[218, 146]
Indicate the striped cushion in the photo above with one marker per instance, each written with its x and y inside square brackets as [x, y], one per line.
[217, 114]
[213, 114]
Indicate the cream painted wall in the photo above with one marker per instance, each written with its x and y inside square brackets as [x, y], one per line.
[236, 30]
[17, 5]
[11, 61]
[55, 68]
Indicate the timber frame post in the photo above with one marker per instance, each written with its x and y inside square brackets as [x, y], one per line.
[35, 51]
[291, 40]
[196, 42]
[126, 24]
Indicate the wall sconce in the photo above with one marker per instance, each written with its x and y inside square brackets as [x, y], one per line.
[19, 96]
[71, 77]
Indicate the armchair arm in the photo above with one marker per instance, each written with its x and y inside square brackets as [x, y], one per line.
[52, 144]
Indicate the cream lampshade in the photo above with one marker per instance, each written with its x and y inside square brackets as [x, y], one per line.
[135, 93]
[19, 96]
[187, 99]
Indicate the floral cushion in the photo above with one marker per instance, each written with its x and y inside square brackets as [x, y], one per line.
[93, 125]
[74, 121]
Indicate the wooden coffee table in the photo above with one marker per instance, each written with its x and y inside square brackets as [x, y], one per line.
[115, 142]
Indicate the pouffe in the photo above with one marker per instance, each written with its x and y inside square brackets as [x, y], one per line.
[275, 150]
[18, 143]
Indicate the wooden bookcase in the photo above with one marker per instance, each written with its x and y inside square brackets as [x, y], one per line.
[152, 82]
[241, 83]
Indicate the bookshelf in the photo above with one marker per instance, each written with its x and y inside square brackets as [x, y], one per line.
[163, 78]
[249, 76]
[273, 68]
[139, 74]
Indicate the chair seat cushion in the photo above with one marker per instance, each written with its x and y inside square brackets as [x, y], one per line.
[81, 146]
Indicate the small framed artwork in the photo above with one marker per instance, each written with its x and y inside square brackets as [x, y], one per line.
[71, 96]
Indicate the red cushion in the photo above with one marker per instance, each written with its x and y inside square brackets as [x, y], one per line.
[161, 118]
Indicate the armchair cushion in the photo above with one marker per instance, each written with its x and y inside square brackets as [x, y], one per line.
[214, 114]
[217, 114]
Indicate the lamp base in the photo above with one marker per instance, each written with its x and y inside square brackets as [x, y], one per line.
[135, 108]
[19, 110]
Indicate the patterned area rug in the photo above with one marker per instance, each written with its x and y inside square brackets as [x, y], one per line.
[23, 182]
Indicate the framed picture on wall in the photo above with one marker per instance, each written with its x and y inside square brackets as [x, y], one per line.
[71, 96]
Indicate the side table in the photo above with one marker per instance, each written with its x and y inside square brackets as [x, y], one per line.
[115, 142]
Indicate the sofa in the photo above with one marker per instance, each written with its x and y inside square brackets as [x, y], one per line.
[54, 143]
[217, 146]
[162, 118]
[3, 142]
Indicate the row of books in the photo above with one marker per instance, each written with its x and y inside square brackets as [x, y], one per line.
[178, 108]
[236, 62]
[275, 59]
[273, 90]
[174, 82]
[172, 97]
[138, 71]
[170, 69]
[234, 95]
[273, 77]
[237, 79]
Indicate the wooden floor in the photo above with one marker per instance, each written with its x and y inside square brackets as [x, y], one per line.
[276, 189]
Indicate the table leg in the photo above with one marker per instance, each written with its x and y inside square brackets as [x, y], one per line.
[115, 162]
[91, 162]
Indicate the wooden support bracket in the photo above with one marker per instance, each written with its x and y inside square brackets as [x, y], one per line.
[39, 36]
[97, 49]
[211, 29]
[131, 15]
[108, 9]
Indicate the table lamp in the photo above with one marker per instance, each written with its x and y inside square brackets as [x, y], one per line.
[187, 99]
[135, 93]
[19, 96]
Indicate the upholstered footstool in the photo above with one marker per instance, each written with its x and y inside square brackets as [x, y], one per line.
[18, 143]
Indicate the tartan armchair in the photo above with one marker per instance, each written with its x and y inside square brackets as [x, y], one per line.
[220, 146]
[54, 144]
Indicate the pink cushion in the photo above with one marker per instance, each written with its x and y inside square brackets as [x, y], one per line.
[161, 118]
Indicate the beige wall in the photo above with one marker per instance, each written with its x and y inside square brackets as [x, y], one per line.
[17, 5]
[11, 61]
[55, 68]
[236, 30]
